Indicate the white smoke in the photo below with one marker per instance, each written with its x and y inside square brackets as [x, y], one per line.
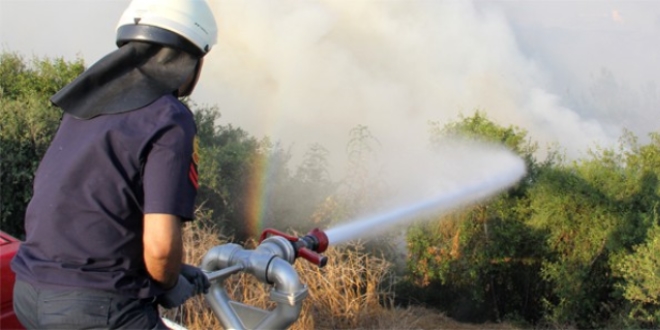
[309, 71]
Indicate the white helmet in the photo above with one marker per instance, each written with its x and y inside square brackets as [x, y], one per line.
[190, 24]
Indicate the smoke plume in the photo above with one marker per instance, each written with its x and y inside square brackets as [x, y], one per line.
[307, 72]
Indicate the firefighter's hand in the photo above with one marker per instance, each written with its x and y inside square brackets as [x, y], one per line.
[197, 277]
[178, 294]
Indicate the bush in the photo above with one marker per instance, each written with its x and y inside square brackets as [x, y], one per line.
[641, 285]
[483, 263]
[27, 125]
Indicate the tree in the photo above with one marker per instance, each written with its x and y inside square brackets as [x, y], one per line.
[485, 259]
[27, 125]
[596, 211]
[226, 162]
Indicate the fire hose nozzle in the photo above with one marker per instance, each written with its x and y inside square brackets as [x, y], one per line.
[308, 247]
[313, 257]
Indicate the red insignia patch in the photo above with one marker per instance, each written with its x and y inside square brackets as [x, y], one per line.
[192, 172]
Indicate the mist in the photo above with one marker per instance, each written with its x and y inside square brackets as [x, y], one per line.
[306, 72]
[422, 185]
[574, 73]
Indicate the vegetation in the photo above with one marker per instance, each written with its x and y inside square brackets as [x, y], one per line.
[556, 249]
[572, 245]
[354, 291]
[487, 259]
[27, 125]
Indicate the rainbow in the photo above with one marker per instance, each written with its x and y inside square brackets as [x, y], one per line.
[257, 195]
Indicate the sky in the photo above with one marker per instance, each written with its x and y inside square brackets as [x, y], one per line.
[572, 73]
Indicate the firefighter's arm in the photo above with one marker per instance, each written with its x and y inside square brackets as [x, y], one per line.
[163, 248]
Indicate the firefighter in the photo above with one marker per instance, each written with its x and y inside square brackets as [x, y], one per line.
[103, 245]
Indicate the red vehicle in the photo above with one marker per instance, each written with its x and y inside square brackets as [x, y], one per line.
[8, 247]
[8, 321]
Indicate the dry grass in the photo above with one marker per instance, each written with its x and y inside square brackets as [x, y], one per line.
[348, 293]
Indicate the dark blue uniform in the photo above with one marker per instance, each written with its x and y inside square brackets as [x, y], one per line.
[98, 178]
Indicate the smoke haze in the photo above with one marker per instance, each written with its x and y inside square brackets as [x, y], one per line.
[306, 72]
[302, 72]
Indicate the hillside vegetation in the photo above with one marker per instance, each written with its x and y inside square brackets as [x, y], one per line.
[574, 244]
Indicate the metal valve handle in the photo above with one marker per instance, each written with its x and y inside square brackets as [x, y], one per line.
[307, 247]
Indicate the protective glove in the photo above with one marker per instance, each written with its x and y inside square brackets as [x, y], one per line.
[197, 277]
[178, 294]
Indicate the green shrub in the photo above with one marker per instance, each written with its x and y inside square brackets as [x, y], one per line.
[27, 125]
[484, 262]
[640, 272]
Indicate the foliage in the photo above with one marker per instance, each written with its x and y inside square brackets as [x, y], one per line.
[247, 183]
[224, 168]
[361, 187]
[27, 124]
[573, 244]
[41, 77]
[483, 262]
[313, 183]
[595, 211]
[234, 166]
[640, 285]
[557, 246]
[579, 220]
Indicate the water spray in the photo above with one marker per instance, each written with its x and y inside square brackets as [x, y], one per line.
[271, 262]
[436, 204]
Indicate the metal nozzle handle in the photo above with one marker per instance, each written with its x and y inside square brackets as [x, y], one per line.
[313, 257]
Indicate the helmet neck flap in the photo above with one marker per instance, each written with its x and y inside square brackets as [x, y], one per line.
[161, 43]
[127, 79]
